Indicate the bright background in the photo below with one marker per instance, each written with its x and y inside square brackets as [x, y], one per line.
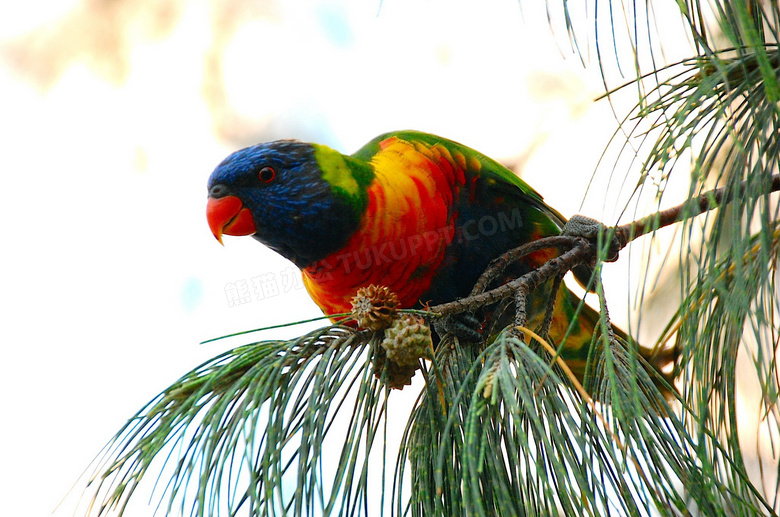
[112, 116]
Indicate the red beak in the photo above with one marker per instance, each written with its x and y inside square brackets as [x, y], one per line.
[227, 215]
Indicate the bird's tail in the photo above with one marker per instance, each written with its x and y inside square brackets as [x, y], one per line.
[578, 338]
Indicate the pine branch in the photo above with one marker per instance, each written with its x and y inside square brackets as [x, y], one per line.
[583, 251]
[495, 429]
[707, 201]
[580, 250]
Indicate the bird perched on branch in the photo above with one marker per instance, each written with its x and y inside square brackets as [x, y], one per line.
[419, 214]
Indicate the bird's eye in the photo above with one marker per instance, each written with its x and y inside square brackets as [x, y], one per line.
[267, 174]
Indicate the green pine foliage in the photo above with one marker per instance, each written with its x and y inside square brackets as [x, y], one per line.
[300, 427]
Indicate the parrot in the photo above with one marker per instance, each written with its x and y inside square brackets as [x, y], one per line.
[417, 213]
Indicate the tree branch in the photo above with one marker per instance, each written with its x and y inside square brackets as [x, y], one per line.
[579, 253]
[581, 250]
[691, 208]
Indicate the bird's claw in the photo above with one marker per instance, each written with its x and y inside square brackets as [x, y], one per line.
[465, 326]
[581, 226]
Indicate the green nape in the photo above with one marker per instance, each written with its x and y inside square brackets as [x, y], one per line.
[349, 177]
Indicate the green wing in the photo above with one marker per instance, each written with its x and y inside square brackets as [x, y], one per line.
[506, 181]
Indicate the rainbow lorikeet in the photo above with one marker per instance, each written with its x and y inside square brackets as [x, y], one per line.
[417, 213]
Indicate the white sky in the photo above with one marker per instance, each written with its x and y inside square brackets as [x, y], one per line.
[111, 277]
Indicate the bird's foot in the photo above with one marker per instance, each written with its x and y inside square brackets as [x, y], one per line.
[465, 326]
[585, 227]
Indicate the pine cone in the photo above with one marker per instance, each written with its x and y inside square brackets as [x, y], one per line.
[374, 307]
[407, 340]
[397, 376]
[404, 343]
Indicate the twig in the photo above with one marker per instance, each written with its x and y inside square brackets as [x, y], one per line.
[544, 330]
[580, 251]
[578, 254]
[500, 263]
[691, 208]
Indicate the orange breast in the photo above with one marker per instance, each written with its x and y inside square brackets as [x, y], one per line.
[407, 226]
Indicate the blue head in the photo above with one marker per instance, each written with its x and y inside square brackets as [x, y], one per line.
[279, 193]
